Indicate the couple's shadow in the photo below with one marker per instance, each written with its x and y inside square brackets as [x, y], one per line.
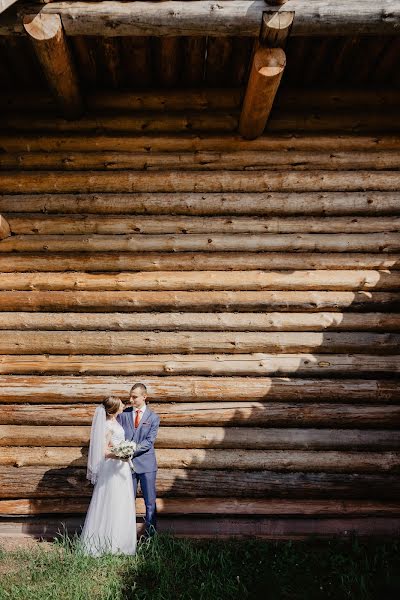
[62, 496]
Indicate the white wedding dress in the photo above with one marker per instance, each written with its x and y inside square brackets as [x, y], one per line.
[110, 524]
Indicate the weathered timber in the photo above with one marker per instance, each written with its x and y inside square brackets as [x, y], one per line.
[204, 506]
[249, 160]
[200, 142]
[301, 365]
[277, 414]
[216, 242]
[41, 482]
[173, 321]
[70, 390]
[361, 122]
[37, 224]
[12, 262]
[171, 122]
[252, 204]
[265, 76]
[51, 48]
[198, 342]
[228, 18]
[276, 27]
[347, 280]
[237, 460]
[307, 301]
[182, 181]
[5, 230]
[210, 98]
[215, 437]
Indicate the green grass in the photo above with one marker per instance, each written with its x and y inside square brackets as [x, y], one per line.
[168, 568]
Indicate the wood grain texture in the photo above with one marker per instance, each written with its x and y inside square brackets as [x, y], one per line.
[45, 389]
[230, 414]
[255, 204]
[178, 321]
[259, 364]
[212, 506]
[188, 261]
[193, 343]
[39, 182]
[221, 460]
[204, 280]
[243, 438]
[41, 482]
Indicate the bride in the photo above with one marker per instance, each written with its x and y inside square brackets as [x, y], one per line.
[110, 524]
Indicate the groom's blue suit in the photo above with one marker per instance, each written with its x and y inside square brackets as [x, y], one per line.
[144, 458]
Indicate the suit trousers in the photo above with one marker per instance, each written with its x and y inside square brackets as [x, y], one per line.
[148, 487]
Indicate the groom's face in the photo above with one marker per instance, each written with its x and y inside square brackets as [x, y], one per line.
[138, 398]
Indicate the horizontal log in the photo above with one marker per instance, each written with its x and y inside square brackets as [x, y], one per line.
[209, 99]
[70, 390]
[359, 122]
[42, 482]
[255, 204]
[34, 224]
[40, 182]
[216, 437]
[11, 262]
[236, 460]
[220, 527]
[199, 142]
[201, 321]
[276, 414]
[267, 242]
[201, 161]
[198, 342]
[204, 280]
[229, 18]
[212, 506]
[156, 122]
[142, 301]
[331, 99]
[207, 364]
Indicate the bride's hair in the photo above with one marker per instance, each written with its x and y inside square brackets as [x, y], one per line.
[111, 405]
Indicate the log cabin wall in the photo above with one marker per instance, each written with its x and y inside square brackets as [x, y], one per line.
[253, 286]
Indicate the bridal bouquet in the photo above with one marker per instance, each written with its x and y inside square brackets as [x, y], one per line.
[125, 449]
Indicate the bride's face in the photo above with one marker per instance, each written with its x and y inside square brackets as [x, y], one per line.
[121, 408]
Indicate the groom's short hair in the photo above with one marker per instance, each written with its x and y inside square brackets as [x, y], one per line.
[139, 386]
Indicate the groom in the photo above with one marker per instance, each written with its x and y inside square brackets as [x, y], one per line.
[141, 426]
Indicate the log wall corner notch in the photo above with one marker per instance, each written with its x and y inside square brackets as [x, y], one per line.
[5, 230]
[51, 47]
[268, 65]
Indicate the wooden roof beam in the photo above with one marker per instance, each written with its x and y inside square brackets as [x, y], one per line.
[51, 48]
[223, 18]
[5, 230]
[268, 64]
[265, 76]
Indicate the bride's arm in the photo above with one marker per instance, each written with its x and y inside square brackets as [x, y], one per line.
[108, 445]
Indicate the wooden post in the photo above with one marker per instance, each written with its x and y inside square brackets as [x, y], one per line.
[275, 28]
[4, 228]
[50, 44]
[265, 76]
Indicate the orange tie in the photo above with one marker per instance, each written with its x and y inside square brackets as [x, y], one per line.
[137, 418]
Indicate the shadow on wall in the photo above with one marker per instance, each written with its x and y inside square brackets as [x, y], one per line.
[302, 439]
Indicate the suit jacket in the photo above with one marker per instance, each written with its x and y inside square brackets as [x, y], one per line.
[144, 458]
